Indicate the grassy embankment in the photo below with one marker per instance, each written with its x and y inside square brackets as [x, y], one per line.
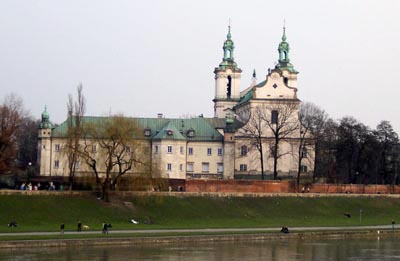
[46, 213]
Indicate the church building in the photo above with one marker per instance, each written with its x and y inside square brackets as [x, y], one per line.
[241, 141]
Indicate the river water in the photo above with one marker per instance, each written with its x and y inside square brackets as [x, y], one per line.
[372, 248]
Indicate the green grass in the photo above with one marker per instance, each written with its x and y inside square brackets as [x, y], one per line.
[46, 213]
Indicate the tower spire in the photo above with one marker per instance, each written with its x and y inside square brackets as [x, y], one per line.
[229, 36]
[284, 31]
[228, 48]
[283, 49]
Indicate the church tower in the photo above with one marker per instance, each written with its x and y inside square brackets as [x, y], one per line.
[227, 81]
[284, 65]
[44, 144]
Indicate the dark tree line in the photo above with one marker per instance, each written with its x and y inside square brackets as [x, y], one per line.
[18, 136]
[350, 152]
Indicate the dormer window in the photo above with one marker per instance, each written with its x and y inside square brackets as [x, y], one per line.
[190, 133]
[147, 132]
[170, 132]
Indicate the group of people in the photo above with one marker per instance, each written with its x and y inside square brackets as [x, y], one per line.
[79, 227]
[38, 186]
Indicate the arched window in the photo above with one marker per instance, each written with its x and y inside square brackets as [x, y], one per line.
[243, 150]
[274, 117]
[229, 87]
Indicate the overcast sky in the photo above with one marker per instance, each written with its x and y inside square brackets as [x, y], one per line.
[143, 57]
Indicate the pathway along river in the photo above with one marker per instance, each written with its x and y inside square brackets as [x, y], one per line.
[370, 248]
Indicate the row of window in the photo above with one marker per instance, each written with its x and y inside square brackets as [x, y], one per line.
[244, 150]
[57, 147]
[57, 164]
[205, 167]
[243, 167]
[190, 150]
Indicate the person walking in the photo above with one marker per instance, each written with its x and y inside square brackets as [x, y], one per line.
[79, 226]
[105, 228]
[62, 227]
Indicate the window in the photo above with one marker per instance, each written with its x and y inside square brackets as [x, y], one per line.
[190, 151]
[303, 168]
[209, 151]
[181, 167]
[44, 147]
[189, 167]
[243, 167]
[147, 132]
[56, 164]
[169, 167]
[205, 167]
[128, 149]
[94, 148]
[220, 151]
[169, 149]
[274, 117]
[229, 87]
[304, 152]
[220, 167]
[243, 150]
[76, 165]
[156, 149]
[190, 133]
[57, 147]
[181, 150]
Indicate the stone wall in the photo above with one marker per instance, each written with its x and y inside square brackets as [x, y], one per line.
[240, 186]
[354, 189]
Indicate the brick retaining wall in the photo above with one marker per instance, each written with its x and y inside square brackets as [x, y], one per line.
[240, 186]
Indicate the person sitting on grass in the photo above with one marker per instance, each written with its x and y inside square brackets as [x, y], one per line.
[12, 224]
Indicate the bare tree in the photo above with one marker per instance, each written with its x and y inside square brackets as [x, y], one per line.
[281, 119]
[311, 122]
[76, 111]
[11, 115]
[27, 141]
[271, 123]
[388, 140]
[120, 151]
[254, 131]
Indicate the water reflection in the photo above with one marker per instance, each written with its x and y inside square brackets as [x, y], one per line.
[387, 248]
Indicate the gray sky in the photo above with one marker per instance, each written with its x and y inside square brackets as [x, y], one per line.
[143, 57]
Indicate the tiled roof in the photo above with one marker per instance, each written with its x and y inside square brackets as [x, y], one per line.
[204, 128]
[169, 132]
[245, 98]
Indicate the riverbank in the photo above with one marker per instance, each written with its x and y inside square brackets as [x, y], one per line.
[121, 240]
[151, 211]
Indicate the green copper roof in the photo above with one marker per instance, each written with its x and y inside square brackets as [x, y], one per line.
[284, 60]
[203, 128]
[229, 47]
[45, 123]
[169, 132]
[246, 97]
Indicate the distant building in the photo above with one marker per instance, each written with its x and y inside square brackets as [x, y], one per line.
[214, 148]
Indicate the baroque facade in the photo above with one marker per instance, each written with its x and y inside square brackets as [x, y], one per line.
[222, 147]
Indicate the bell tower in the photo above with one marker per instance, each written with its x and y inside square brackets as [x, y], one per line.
[284, 65]
[227, 80]
[44, 144]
